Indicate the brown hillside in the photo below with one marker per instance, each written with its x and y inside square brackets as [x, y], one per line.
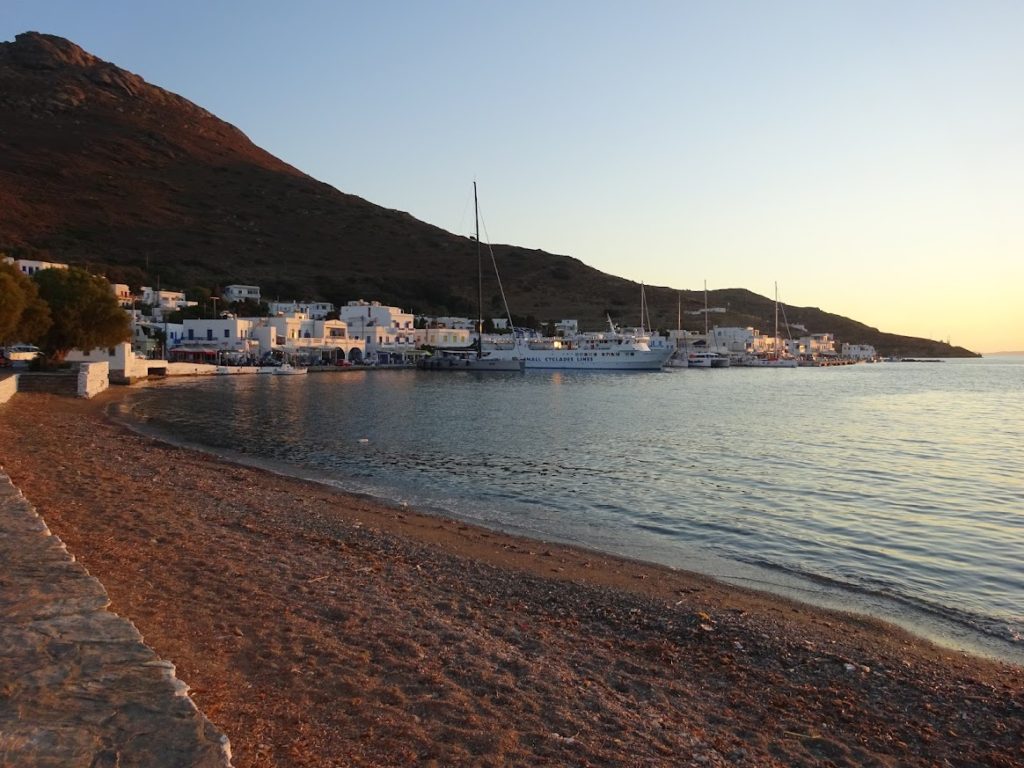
[99, 167]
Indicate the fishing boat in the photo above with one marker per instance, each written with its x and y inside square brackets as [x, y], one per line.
[287, 369]
[476, 358]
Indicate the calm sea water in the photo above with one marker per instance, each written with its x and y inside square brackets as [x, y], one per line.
[895, 489]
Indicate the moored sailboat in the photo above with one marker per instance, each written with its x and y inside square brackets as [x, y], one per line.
[476, 358]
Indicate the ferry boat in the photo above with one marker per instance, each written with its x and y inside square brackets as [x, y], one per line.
[611, 351]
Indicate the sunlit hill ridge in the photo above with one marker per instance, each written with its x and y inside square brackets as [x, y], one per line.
[101, 168]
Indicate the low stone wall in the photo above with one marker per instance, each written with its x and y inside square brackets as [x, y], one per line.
[8, 386]
[190, 369]
[93, 378]
[54, 383]
[77, 685]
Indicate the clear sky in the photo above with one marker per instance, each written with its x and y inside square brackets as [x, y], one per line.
[868, 156]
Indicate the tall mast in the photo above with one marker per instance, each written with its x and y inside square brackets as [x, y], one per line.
[643, 307]
[777, 320]
[479, 281]
[705, 314]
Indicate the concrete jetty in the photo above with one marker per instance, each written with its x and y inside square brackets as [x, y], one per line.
[78, 687]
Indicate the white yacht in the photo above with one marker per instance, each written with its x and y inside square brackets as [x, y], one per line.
[705, 358]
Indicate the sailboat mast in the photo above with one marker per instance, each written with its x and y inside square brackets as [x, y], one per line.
[705, 314]
[643, 307]
[479, 281]
[777, 320]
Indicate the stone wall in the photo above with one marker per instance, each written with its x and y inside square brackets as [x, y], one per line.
[93, 378]
[8, 386]
[77, 685]
[55, 383]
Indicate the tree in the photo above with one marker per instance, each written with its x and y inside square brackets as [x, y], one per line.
[84, 310]
[23, 315]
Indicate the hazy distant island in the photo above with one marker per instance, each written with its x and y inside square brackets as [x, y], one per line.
[104, 170]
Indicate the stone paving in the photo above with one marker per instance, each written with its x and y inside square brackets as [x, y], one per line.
[77, 685]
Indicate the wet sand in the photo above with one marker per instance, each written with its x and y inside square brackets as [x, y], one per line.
[318, 628]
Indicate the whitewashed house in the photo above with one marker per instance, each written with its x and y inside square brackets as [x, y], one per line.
[164, 302]
[443, 337]
[859, 352]
[123, 294]
[818, 345]
[233, 293]
[567, 327]
[388, 331]
[316, 310]
[31, 266]
[221, 333]
[309, 339]
[463, 323]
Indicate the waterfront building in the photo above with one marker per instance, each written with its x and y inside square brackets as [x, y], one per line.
[219, 334]
[443, 337]
[388, 331]
[859, 352]
[818, 345]
[313, 340]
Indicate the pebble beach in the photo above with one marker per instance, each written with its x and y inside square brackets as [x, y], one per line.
[320, 628]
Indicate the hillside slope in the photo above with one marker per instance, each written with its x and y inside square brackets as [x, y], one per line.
[99, 167]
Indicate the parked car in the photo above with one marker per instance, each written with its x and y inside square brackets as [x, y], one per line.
[20, 354]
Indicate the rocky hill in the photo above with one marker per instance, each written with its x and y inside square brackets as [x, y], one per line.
[100, 168]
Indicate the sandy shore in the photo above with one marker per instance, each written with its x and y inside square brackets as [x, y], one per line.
[318, 628]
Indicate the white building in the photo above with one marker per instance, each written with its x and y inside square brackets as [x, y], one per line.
[316, 310]
[233, 293]
[818, 345]
[567, 327]
[443, 337]
[120, 357]
[314, 340]
[30, 266]
[463, 323]
[739, 341]
[388, 331]
[164, 302]
[859, 352]
[222, 333]
[123, 294]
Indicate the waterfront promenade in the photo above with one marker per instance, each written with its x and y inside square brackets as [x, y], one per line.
[78, 687]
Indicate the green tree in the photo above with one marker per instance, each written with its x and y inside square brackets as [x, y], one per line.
[84, 311]
[23, 315]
